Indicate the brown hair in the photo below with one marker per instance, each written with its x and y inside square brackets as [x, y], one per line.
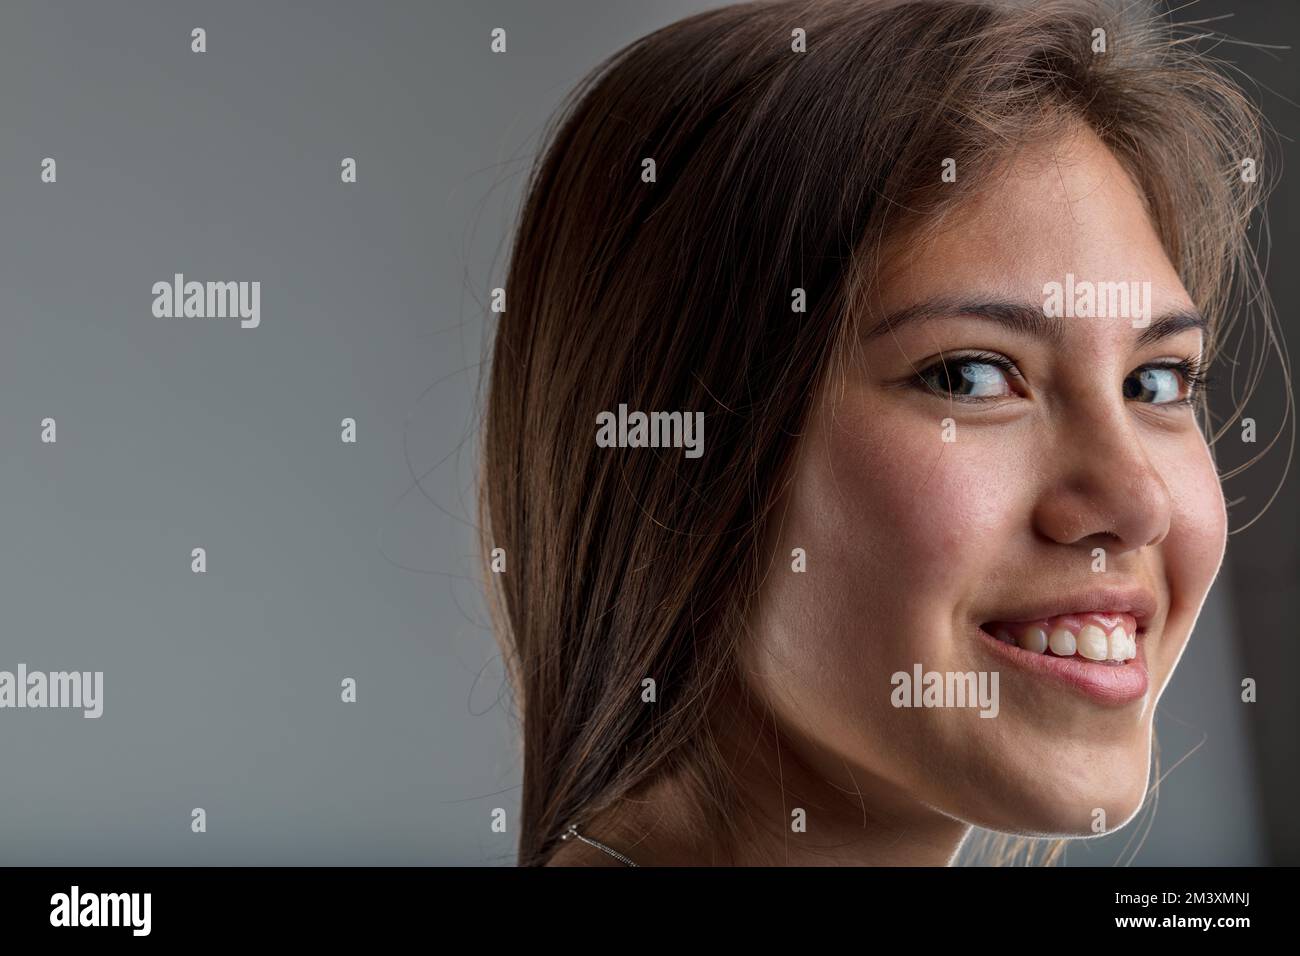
[775, 170]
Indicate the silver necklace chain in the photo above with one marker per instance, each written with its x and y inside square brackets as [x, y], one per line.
[573, 832]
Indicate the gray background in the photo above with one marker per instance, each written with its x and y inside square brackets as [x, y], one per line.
[328, 560]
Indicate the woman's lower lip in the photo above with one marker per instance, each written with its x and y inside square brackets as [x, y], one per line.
[1113, 684]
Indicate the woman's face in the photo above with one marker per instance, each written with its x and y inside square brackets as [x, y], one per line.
[1045, 484]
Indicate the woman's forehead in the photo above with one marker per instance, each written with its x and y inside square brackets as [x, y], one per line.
[1034, 223]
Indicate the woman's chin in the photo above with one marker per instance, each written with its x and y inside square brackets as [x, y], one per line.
[1065, 812]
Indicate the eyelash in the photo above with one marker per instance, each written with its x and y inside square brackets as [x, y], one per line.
[1193, 373]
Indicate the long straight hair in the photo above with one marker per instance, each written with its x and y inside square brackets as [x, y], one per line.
[774, 169]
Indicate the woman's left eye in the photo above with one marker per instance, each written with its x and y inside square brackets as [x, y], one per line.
[1154, 385]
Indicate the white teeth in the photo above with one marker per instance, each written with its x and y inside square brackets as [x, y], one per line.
[1122, 645]
[1062, 642]
[1034, 639]
[1092, 642]
[1116, 645]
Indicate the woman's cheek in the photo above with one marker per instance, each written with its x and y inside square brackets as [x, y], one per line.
[1193, 551]
[933, 515]
[900, 529]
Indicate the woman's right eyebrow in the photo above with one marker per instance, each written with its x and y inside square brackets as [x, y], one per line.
[1021, 318]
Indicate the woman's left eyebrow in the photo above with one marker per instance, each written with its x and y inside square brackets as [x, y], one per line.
[1025, 319]
[1171, 323]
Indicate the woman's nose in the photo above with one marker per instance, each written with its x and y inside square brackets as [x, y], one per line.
[1103, 484]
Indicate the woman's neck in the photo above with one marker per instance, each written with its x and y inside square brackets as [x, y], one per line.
[793, 813]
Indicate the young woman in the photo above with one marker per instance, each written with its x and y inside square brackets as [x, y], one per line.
[936, 284]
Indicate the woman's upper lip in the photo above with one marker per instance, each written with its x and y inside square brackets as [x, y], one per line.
[1137, 601]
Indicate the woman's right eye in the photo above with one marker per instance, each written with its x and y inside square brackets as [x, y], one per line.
[966, 377]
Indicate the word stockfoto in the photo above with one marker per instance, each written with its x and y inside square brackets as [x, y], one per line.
[208, 300]
[653, 430]
[55, 689]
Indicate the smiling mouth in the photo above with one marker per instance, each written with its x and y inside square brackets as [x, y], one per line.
[1100, 637]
